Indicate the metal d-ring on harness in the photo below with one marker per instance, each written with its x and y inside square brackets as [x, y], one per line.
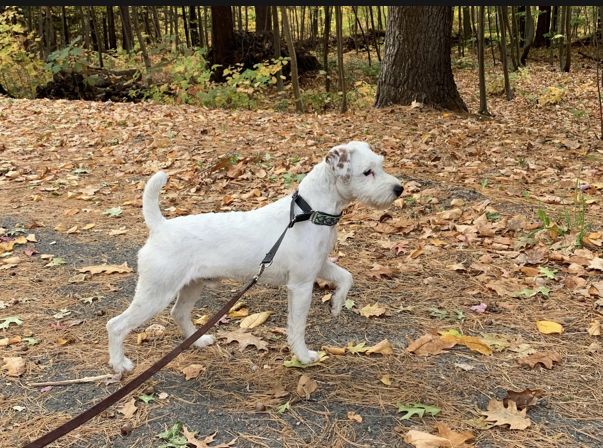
[318, 218]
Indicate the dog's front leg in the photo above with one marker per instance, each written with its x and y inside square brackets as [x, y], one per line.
[300, 298]
[343, 282]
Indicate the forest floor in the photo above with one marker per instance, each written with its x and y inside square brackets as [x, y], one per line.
[482, 242]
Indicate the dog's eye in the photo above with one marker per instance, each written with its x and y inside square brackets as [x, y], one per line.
[368, 172]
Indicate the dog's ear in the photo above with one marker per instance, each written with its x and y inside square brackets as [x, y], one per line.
[338, 160]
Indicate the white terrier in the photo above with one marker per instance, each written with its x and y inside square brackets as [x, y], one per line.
[183, 253]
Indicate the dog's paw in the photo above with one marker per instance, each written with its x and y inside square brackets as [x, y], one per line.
[337, 302]
[122, 366]
[309, 357]
[204, 341]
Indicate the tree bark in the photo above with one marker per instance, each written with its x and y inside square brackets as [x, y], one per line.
[325, 48]
[529, 35]
[483, 102]
[194, 28]
[543, 26]
[299, 105]
[276, 44]
[340, 69]
[222, 39]
[416, 64]
[262, 18]
[141, 42]
[127, 36]
[567, 60]
[503, 54]
[64, 27]
[111, 34]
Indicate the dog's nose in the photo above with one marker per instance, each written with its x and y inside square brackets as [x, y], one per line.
[398, 189]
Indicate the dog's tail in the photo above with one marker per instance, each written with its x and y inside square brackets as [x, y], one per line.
[150, 200]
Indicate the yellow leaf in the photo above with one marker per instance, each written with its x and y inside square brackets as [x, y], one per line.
[326, 298]
[88, 226]
[372, 310]
[595, 328]
[385, 379]
[476, 344]
[334, 350]
[354, 417]
[14, 366]
[107, 269]
[255, 319]
[383, 348]
[202, 320]
[549, 327]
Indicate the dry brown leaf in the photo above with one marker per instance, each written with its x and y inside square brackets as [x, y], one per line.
[525, 398]
[374, 310]
[354, 417]
[192, 371]
[107, 269]
[596, 263]
[255, 320]
[14, 365]
[456, 439]
[430, 344]
[128, 409]
[383, 348]
[547, 359]
[334, 350]
[244, 339]
[510, 415]
[306, 386]
[594, 328]
[191, 438]
[420, 439]
[378, 272]
[386, 379]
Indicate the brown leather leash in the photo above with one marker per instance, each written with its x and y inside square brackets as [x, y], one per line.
[309, 214]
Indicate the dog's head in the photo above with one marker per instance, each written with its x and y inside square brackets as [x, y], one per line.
[359, 175]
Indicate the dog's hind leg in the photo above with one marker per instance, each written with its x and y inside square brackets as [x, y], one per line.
[300, 298]
[181, 312]
[150, 299]
[343, 282]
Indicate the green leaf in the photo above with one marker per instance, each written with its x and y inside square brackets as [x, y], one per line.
[438, 313]
[547, 272]
[294, 362]
[527, 292]
[174, 437]
[114, 212]
[10, 320]
[283, 408]
[349, 304]
[417, 409]
[31, 341]
[146, 398]
[358, 348]
[56, 261]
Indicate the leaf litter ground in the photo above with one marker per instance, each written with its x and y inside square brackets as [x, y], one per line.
[482, 245]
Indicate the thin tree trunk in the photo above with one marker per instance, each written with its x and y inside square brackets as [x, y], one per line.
[368, 48]
[375, 38]
[85, 26]
[64, 27]
[340, 70]
[156, 25]
[276, 43]
[567, 61]
[483, 103]
[112, 35]
[515, 34]
[143, 46]
[505, 22]
[127, 36]
[97, 37]
[194, 28]
[185, 22]
[325, 48]
[490, 30]
[529, 35]
[542, 27]
[503, 56]
[299, 105]
[205, 27]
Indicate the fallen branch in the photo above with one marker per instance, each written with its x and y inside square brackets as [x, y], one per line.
[87, 379]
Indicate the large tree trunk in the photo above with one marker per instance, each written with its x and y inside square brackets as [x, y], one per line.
[262, 18]
[542, 27]
[127, 36]
[112, 35]
[222, 38]
[416, 64]
[195, 41]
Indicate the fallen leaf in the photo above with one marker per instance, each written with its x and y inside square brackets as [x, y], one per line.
[357, 348]
[7, 321]
[374, 310]
[378, 272]
[107, 269]
[354, 417]
[334, 350]
[306, 386]
[547, 359]
[383, 348]
[295, 363]
[419, 409]
[594, 328]
[509, 415]
[456, 439]
[430, 344]
[386, 379]
[255, 320]
[549, 327]
[114, 212]
[420, 439]
[244, 339]
[192, 371]
[525, 398]
[14, 365]
[128, 409]
[596, 263]
[56, 261]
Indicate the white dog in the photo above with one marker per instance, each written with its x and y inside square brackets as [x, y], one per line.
[183, 253]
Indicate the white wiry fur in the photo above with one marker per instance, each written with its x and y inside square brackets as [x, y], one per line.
[183, 253]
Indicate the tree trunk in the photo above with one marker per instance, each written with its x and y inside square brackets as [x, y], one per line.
[375, 38]
[143, 46]
[542, 27]
[505, 21]
[96, 37]
[483, 103]
[262, 18]
[111, 34]
[368, 48]
[299, 105]
[276, 44]
[567, 60]
[416, 64]
[325, 48]
[222, 39]
[193, 26]
[503, 54]
[340, 69]
[64, 27]
[529, 35]
[127, 36]
[185, 22]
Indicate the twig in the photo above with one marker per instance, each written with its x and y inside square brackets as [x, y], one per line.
[86, 379]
